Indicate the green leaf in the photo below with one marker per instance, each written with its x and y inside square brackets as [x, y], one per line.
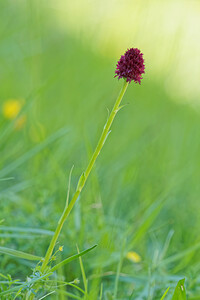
[19, 254]
[83, 273]
[179, 293]
[69, 259]
[165, 293]
[81, 182]
[101, 292]
[122, 106]
[69, 183]
[24, 285]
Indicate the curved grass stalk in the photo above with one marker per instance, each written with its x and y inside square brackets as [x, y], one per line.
[84, 176]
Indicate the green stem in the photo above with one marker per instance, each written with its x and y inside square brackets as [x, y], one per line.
[84, 176]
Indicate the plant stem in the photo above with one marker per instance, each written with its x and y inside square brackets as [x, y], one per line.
[85, 175]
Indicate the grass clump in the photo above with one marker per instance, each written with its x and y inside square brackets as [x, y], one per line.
[143, 190]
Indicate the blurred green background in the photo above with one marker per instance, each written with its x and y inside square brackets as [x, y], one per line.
[57, 62]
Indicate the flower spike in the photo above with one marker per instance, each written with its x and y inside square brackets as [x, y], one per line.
[131, 66]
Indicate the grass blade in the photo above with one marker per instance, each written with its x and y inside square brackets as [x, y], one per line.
[72, 296]
[118, 270]
[19, 236]
[19, 254]
[83, 273]
[69, 183]
[25, 157]
[165, 293]
[23, 229]
[47, 295]
[101, 292]
[71, 258]
[180, 255]
[150, 216]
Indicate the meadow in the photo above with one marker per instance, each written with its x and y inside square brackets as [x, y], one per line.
[140, 205]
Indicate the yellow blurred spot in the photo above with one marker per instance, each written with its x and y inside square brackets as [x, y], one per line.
[60, 248]
[11, 108]
[20, 122]
[133, 256]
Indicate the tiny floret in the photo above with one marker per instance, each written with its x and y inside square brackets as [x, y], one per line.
[60, 248]
[131, 66]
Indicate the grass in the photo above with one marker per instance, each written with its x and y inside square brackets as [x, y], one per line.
[145, 186]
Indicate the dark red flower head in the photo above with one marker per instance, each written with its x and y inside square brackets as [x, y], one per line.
[131, 66]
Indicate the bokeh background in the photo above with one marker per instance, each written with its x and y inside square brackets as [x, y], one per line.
[57, 83]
